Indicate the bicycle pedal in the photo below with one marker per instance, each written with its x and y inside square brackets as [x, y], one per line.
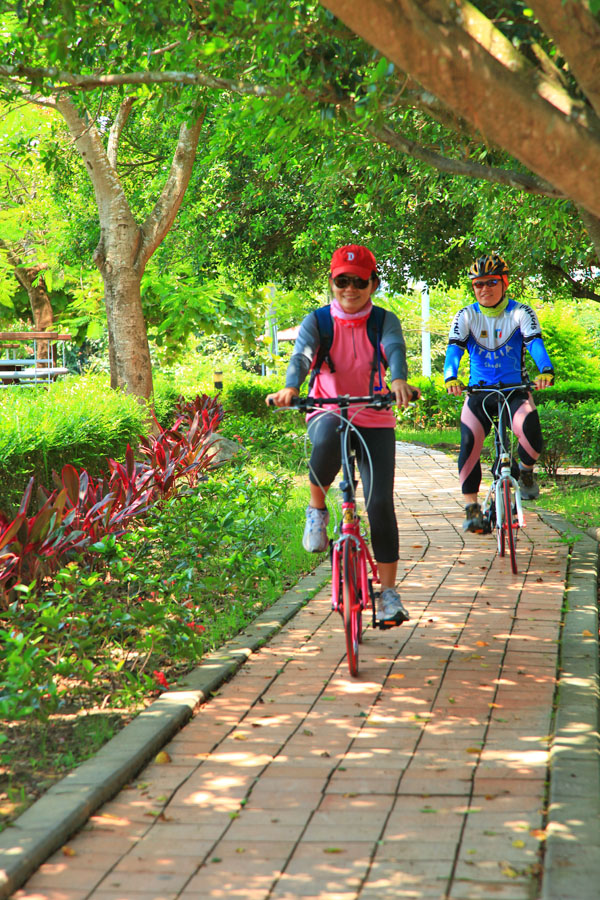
[384, 624]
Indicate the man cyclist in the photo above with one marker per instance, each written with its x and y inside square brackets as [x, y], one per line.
[495, 331]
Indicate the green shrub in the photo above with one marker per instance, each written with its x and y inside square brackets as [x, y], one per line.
[570, 434]
[166, 394]
[569, 392]
[569, 346]
[435, 409]
[245, 394]
[77, 420]
[276, 440]
[557, 429]
[199, 569]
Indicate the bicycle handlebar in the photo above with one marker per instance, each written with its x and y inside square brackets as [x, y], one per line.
[375, 401]
[497, 388]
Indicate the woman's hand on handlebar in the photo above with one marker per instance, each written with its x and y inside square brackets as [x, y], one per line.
[283, 397]
[403, 392]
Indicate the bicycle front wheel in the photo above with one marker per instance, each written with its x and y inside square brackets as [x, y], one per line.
[509, 526]
[351, 598]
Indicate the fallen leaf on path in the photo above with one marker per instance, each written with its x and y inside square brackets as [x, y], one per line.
[162, 758]
[508, 871]
[68, 851]
[538, 833]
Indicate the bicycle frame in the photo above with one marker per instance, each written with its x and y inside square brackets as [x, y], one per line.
[502, 468]
[349, 529]
[498, 507]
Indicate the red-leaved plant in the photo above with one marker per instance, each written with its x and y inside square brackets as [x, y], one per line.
[81, 509]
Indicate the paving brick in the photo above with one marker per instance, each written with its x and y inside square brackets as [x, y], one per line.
[303, 782]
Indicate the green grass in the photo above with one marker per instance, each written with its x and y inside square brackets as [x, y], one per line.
[577, 499]
[446, 438]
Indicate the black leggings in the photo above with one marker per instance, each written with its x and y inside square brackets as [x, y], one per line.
[326, 461]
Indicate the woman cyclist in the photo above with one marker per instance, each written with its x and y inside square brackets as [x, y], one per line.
[495, 331]
[354, 364]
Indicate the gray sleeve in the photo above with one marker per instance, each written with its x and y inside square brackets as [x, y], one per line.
[392, 341]
[305, 348]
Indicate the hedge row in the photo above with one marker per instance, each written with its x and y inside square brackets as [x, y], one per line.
[79, 422]
[75, 421]
[571, 434]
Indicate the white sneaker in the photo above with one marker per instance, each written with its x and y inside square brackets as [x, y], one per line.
[315, 539]
[390, 607]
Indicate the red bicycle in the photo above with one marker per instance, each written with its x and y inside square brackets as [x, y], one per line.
[354, 571]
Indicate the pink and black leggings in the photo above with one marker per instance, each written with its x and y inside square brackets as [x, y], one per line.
[475, 424]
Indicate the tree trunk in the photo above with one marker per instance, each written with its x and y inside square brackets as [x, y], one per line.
[124, 247]
[41, 307]
[128, 345]
[129, 353]
[426, 40]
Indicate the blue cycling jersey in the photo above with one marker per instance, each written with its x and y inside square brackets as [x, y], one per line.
[496, 342]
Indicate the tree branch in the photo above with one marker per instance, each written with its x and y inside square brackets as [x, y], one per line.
[576, 32]
[116, 130]
[110, 198]
[466, 169]
[578, 289]
[66, 81]
[482, 30]
[162, 216]
[447, 61]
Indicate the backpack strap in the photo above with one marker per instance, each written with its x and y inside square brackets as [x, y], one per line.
[375, 332]
[325, 326]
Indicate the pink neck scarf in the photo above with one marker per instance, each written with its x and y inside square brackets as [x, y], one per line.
[338, 312]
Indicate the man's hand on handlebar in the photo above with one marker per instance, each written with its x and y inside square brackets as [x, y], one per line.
[546, 379]
[454, 386]
[283, 397]
[403, 392]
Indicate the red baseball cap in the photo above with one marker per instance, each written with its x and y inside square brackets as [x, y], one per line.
[353, 260]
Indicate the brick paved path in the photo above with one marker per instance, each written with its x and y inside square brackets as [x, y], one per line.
[423, 778]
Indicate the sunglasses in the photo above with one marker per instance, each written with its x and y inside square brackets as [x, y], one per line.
[491, 281]
[344, 281]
